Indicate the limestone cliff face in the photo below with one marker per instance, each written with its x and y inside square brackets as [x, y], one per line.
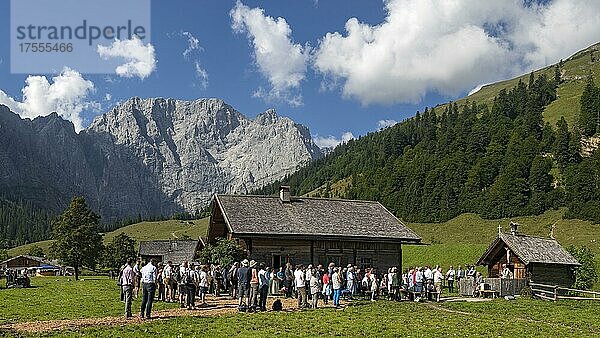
[149, 156]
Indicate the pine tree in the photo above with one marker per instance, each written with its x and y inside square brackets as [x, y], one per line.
[590, 108]
[561, 144]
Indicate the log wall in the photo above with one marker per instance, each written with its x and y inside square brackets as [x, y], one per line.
[552, 274]
[362, 254]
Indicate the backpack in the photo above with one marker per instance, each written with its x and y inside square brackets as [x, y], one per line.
[277, 306]
[119, 277]
[186, 278]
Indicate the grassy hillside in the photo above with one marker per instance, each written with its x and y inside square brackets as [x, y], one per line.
[143, 231]
[574, 71]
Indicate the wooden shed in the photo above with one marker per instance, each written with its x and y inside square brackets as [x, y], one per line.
[176, 251]
[539, 260]
[302, 230]
[25, 262]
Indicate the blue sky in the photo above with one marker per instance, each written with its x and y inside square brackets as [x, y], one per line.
[397, 57]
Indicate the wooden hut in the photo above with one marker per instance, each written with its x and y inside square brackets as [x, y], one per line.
[176, 251]
[301, 230]
[26, 262]
[538, 260]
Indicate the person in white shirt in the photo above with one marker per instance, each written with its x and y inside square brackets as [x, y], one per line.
[126, 281]
[167, 271]
[506, 273]
[350, 277]
[336, 282]
[428, 274]
[450, 276]
[149, 275]
[203, 275]
[300, 286]
[438, 276]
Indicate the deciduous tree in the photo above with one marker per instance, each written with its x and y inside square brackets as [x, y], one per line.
[78, 242]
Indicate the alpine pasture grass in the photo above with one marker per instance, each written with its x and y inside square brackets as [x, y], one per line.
[519, 318]
[65, 298]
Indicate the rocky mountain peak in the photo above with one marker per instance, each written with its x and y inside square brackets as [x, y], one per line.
[267, 117]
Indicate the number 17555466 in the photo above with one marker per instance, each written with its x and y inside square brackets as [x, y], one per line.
[45, 47]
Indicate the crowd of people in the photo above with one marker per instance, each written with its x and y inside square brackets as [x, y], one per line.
[251, 283]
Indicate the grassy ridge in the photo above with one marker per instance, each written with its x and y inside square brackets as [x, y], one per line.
[574, 71]
[143, 231]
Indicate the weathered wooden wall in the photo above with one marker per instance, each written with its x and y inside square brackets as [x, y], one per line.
[362, 254]
[21, 262]
[552, 274]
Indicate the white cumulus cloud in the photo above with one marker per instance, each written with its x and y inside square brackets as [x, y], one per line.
[332, 141]
[385, 123]
[449, 47]
[281, 61]
[66, 95]
[140, 59]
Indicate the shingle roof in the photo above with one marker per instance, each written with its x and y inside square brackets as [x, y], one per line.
[176, 251]
[267, 215]
[533, 250]
[40, 260]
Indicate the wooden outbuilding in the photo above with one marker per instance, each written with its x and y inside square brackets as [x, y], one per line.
[27, 262]
[301, 230]
[176, 251]
[538, 260]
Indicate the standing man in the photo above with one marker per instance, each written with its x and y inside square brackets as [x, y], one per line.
[182, 283]
[289, 279]
[137, 277]
[243, 284]
[300, 286]
[450, 275]
[126, 281]
[149, 275]
[263, 286]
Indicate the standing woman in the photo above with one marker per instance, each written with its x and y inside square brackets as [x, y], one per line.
[273, 282]
[315, 288]
[373, 284]
[326, 288]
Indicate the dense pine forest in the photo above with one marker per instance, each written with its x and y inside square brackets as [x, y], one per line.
[22, 222]
[498, 161]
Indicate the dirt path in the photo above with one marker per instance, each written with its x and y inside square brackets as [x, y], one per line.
[217, 307]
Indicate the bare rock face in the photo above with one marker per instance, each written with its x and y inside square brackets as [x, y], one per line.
[194, 149]
[148, 157]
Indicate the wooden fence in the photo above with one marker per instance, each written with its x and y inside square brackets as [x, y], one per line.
[503, 287]
[506, 287]
[554, 293]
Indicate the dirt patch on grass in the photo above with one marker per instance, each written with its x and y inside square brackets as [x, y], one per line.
[216, 307]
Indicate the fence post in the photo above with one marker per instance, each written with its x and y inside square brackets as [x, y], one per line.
[555, 293]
